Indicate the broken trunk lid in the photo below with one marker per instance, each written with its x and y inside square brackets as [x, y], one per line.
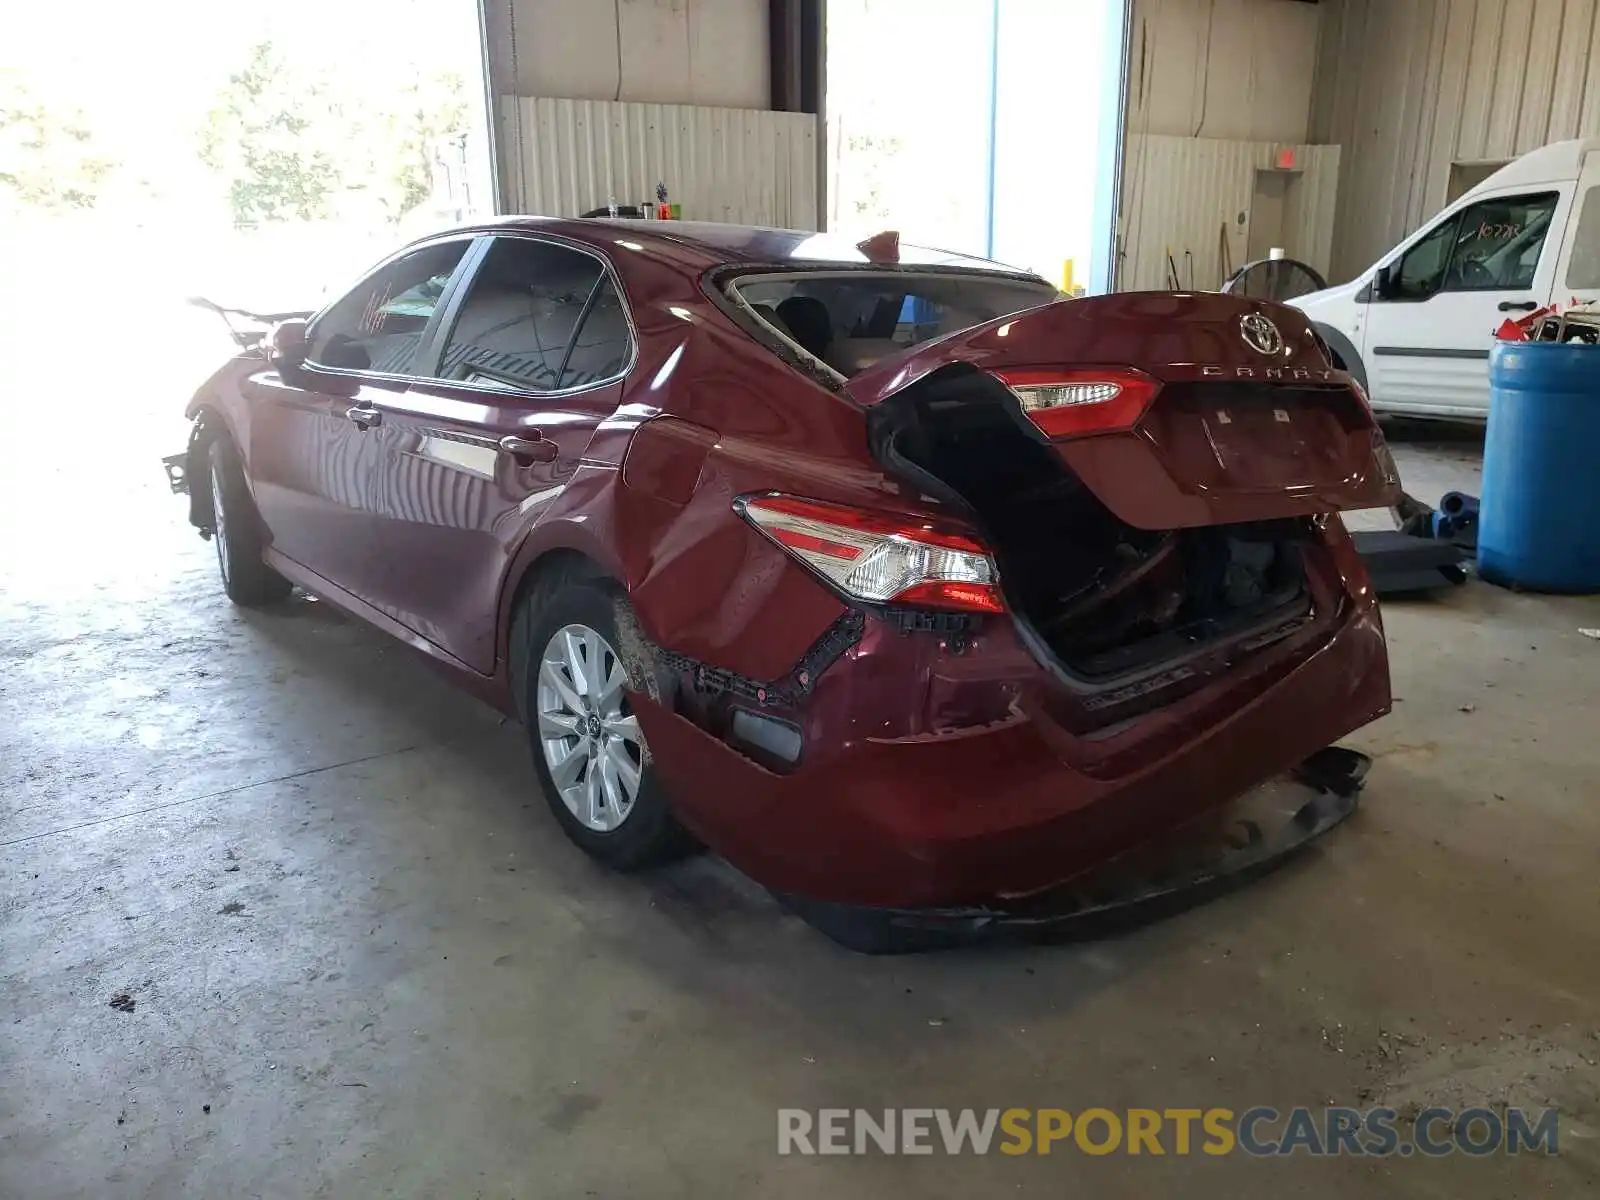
[1248, 421]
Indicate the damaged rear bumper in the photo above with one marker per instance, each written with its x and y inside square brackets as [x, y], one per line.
[1188, 868]
[988, 817]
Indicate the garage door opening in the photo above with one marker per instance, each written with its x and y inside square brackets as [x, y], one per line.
[261, 157]
[291, 144]
[988, 127]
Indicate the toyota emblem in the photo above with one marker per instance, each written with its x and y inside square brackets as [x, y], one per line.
[1260, 334]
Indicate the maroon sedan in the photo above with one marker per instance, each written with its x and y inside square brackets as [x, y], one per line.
[894, 577]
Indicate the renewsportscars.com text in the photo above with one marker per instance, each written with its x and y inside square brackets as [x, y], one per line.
[1259, 1132]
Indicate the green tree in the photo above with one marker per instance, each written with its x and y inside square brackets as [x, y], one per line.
[298, 145]
[47, 155]
[261, 137]
[430, 112]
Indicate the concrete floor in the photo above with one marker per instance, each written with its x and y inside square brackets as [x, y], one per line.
[282, 915]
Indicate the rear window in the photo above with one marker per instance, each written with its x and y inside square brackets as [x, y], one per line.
[851, 321]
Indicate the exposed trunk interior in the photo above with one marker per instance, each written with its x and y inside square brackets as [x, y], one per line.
[1106, 600]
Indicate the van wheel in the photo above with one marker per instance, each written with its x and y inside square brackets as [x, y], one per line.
[237, 534]
[573, 674]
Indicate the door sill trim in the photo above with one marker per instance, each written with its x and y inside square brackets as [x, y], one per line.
[354, 606]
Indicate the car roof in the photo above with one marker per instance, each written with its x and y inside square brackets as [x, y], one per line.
[718, 244]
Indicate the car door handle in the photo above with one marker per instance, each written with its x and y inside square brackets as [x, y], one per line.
[529, 450]
[364, 416]
[1515, 306]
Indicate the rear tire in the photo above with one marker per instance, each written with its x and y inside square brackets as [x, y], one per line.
[237, 534]
[571, 670]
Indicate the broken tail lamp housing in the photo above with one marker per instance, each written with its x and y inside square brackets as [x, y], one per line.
[1387, 470]
[1072, 402]
[878, 557]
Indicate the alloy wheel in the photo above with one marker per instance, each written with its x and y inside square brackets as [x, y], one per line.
[590, 738]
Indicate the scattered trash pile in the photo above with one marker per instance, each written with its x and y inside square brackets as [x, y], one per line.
[1575, 321]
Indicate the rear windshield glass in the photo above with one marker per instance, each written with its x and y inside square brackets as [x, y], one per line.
[851, 321]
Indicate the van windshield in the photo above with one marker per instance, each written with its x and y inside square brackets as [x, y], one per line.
[852, 320]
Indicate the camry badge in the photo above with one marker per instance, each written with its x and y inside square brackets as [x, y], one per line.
[1260, 334]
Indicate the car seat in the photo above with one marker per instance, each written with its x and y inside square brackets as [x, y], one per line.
[807, 320]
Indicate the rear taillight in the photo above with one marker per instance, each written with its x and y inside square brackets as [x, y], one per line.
[1070, 403]
[1387, 470]
[880, 557]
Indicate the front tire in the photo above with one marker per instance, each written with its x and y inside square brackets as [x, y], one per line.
[236, 533]
[573, 672]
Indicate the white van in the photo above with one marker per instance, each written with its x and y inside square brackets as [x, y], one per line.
[1416, 328]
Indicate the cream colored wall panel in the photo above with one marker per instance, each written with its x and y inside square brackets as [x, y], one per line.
[1450, 94]
[1589, 98]
[1238, 69]
[1483, 58]
[1409, 87]
[1419, 160]
[1510, 72]
[566, 157]
[1539, 76]
[1573, 51]
[702, 52]
[1180, 193]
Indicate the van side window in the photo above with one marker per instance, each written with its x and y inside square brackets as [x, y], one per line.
[1583, 271]
[1421, 272]
[1499, 244]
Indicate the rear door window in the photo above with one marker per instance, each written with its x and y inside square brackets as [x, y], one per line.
[379, 325]
[518, 325]
[601, 344]
[851, 321]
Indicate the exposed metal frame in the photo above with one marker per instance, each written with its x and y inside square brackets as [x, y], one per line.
[797, 33]
[490, 110]
[1114, 95]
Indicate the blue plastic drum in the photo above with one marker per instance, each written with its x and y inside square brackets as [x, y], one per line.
[1539, 524]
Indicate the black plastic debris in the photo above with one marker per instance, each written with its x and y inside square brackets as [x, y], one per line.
[1428, 549]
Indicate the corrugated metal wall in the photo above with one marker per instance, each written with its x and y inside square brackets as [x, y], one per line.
[712, 52]
[1180, 193]
[721, 164]
[1409, 87]
[1222, 68]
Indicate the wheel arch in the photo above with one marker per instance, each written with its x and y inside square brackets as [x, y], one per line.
[208, 425]
[550, 552]
[1346, 356]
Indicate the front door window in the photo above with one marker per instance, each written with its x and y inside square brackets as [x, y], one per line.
[1491, 246]
[379, 325]
[1498, 246]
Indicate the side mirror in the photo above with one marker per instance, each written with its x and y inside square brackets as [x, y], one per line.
[287, 345]
[1383, 283]
[286, 348]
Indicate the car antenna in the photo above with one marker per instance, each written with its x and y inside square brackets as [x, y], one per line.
[881, 247]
